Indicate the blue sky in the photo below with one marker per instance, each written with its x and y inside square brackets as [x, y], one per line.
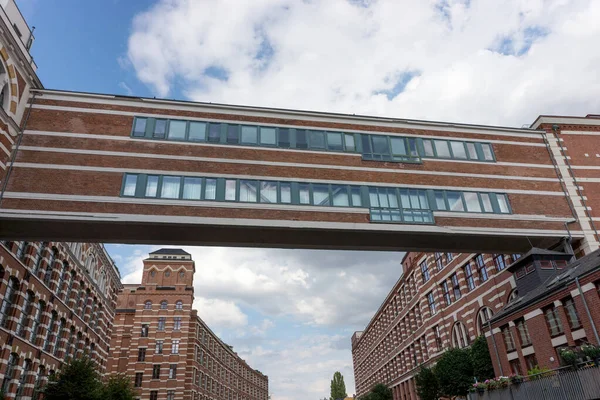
[292, 313]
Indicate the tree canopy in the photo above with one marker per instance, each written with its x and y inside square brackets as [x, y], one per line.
[482, 362]
[454, 371]
[378, 392]
[427, 384]
[338, 387]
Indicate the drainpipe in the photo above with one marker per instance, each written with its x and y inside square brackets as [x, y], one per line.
[496, 348]
[587, 311]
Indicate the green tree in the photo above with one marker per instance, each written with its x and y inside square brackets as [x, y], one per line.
[338, 387]
[77, 380]
[482, 362]
[454, 372]
[378, 392]
[427, 384]
[118, 387]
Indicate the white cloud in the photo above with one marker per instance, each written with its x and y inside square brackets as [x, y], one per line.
[220, 313]
[126, 88]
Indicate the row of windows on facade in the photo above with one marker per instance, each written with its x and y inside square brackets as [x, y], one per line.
[212, 366]
[164, 305]
[235, 396]
[29, 382]
[167, 273]
[378, 147]
[408, 204]
[204, 381]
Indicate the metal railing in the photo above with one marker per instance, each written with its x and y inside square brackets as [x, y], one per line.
[401, 215]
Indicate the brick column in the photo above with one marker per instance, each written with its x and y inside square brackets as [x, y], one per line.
[593, 301]
[541, 339]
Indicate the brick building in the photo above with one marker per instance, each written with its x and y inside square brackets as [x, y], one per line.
[164, 346]
[550, 312]
[57, 301]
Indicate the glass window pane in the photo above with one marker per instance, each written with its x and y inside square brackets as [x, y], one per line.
[349, 140]
[398, 146]
[210, 189]
[412, 146]
[268, 192]
[250, 134]
[488, 154]
[404, 198]
[304, 194]
[283, 136]
[423, 200]
[248, 190]
[170, 187]
[472, 151]
[301, 139]
[503, 203]
[340, 195]
[177, 130]
[472, 201]
[380, 145]
[233, 134]
[392, 198]
[285, 192]
[383, 198]
[356, 197]
[214, 133]
[267, 136]
[130, 184]
[455, 201]
[458, 149]
[366, 144]
[139, 127]
[151, 186]
[428, 146]
[160, 128]
[440, 203]
[487, 203]
[334, 141]
[192, 188]
[321, 195]
[197, 131]
[230, 189]
[317, 139]
[373, 197]
[442, 149]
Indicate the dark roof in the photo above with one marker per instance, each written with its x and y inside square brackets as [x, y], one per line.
[172, 252]
[553, 284]
[536, 251]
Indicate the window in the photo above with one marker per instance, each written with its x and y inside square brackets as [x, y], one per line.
[529, 268]
[177, 323]
[170, 395]
[9, 300]
[515, 367]
[159, 347]
[161, 323]
[170, 187]
[431, 301]
[154, 395]
[446, 292]
[571, 312]
[192, 188]
[177, 130]
[503, 203]
[499, 262]
[488, 153]
[487, 202]
[483, 274]
[163, 305]
[455, 286]
[553, 321]
[512, 296]
[25, 314]
[248, 191]
[438, 337]
[25, 373]
[424, 271]
[455, 202]
[142, 354]
[531, 361]
[197, 131]
[442, 149]
[560, 264]
[151, 186]
[160, 128]
[509, 342]
[129, 185]
[156, 371]
[249, 135]
[233, 134]
[138, 379]
[175, 347]
[523, 332]
[139, 127]
[13, 360]
[460, 339]
[148, 305]
[449, 257]
[144, 330]
[172, 371]
[179, 305]
[438, 261]
[267, 136]
[214, 133]
[484, 315]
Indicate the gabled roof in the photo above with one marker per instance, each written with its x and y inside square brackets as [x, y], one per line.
[536, 251]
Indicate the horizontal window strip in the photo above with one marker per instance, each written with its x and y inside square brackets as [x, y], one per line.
[386, 204]
[372, 147]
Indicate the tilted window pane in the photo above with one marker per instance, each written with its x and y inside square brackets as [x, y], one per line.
[230, 189]
[170, 187]
[214, 133]
[317, 139]
[304, 194]
[301, 139]
[373, 197]
[284, 137]
[210, 189]
[440, 203]
[487, 203]
[503, 203]
[405, 198]
[197, 131]
[383, 198]
[423, 200]
[392, 198]
[192, 188]
[412, 147]
[380, 145]
[356, 197]
[151, 186]
[349, 140]
[334, 141]
[130, 184]
[398, 146]
[472, 201]
[340, 195]
[455, 201]
[233, 134]
[267, 136]
[471, 149]
[414, 199]
[177, 130]
[139, 129]
[250, 134]
[366, 143]
[285, 192]
[488, 154]
[160, 128]
[442, 149]
[458, 150]
[321, 195]
[268, 192]
[428, 146]
[248, 190]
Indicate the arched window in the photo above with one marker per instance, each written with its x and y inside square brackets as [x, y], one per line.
[13, 360]
[163, 305]
[512, 296]
[22, 250]
[58, 335]
[484, 315]
[50, 266]
[148, 305]
[50, 331]
[179, 305]
[39, 381]
[460, 338]
[24, 377]
[90, 265]
[9, 300]
[26, 314]
[70, 344]
[37, 317]
[71, 278]
[63, 276]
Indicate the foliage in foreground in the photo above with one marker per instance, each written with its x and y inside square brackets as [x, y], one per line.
[482, 362]
[338, 387]
[427, 384]
[454, 371]
[378, 392]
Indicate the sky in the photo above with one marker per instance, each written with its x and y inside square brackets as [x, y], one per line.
[291, 313]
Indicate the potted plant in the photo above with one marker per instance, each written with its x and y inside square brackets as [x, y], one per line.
[591, 351]
[569, 357]
[479, 387]
[515, 379]
[502, 382]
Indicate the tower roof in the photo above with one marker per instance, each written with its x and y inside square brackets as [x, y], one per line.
[171, 252]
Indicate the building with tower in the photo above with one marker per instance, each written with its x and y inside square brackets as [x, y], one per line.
[164, 346]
